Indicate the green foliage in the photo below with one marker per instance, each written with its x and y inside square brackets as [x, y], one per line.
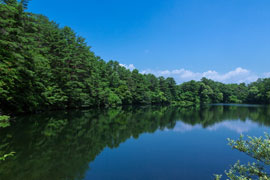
[257, 148]
[4, 121]
[4, 118]
[233, 99]
[259, 91]
[44, 66]
[4, 157]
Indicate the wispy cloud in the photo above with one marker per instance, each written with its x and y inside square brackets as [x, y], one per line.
[183, 127]
[237, 75]
[237, 126]
[130, 66]
[267, 75]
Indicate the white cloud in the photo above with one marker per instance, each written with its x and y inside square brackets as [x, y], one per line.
[183, 127]
[237, 126]
[237, 75]
[130, 66]
[267, 75]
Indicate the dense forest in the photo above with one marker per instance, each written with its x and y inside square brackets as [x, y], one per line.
[44, 66]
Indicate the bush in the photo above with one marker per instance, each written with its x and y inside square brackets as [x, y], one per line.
[257, 148]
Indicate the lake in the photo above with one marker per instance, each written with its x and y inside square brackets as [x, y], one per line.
[141, 143]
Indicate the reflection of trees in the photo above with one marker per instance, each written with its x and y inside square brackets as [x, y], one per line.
[61, 145]
[215, 114]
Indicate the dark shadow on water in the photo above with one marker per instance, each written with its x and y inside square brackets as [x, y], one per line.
[60, 145]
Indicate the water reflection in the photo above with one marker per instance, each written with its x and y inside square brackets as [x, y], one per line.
[60, 145]
[237, 126]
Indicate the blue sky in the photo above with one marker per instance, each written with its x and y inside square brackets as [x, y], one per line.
[225, 40]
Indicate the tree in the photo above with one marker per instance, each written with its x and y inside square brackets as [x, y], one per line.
[205, 94]
[47, 67]
[4, 122]
[257, 148]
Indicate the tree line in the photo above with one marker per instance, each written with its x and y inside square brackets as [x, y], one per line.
[44, 66]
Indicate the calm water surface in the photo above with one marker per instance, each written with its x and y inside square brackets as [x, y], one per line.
[128, 144]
